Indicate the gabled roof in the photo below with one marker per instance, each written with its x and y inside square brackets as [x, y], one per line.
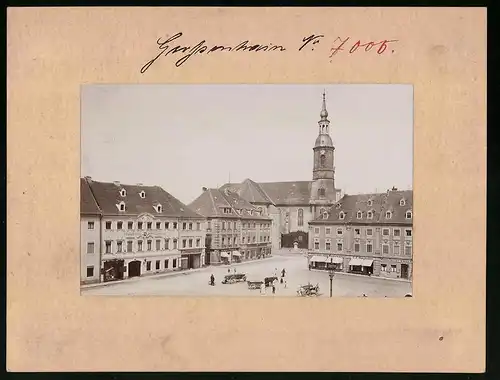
[107, 195]
[287, 193]
[211, 202]
[249, 190]
[380, 204]
[88, 205]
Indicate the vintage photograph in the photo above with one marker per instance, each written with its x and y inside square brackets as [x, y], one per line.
[247, 190]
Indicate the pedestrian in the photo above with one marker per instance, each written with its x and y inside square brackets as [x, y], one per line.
[283, 272]
[212, 280]
[262, 289]
[285, 283]
[274, 288]
[228, 270]
[234, 270]
[281, 280]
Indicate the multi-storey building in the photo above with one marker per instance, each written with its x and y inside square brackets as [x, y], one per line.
[292, 205]
[367, 234]
[90, 230]
[144, 230]
[236, 230]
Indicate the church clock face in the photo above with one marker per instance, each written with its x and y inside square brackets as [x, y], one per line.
[322, 152]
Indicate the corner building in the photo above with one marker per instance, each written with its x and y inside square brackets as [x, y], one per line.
[370, 234]
[143, 230]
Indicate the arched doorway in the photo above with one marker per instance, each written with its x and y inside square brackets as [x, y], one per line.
[134, 268]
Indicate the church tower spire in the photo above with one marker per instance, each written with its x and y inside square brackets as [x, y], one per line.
[323, 147]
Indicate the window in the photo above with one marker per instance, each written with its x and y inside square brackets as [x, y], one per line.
[108, 247]
[130, 225]
[148, 265]
[396, 232]
[388, 215]
[369, 214]
[139, 225]
[166, 264]
[119, 246]
[90, 225]
[322, 160]
[396, 249]
[149, 225]
[223, 225]
[328, 245]
[402, 202]
[300, 217]
[158, 245]
[90, 271]
[190, 243]
[167, 225]
[209, 225]
[175, 243]
[190, 226]
[243, 240]
[383, 267]
[158, 225]
[108, 225]
[198, 226]
[174, 263]
[123, 192]
[393, 268]
[369, 248]
[385, 249]
[139, 245]
[408, 232]
[175, 225]
[339, 247]
[370, 202]
[316, 245]
[359, 215]
[149, 245]
[385, 232]
[321, 193]
[90, 247]
[341, 215]
[408, 215]
[228, 225]
[159, 208]
[167, 244]
[356, 247]
[119, 225]
[198, 242]
[184, 242]
[129, 245]
[369, 232]
[328, 231]
[408, 250]
[253, 239]
[157, 264]
[339, 231]
[234, 225]
[357, 231]
[234, 241]
[122, 206]
[316, 231]
[142, 194]
[226, 210]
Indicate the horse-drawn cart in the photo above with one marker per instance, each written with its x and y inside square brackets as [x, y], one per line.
[308, 290]
[233, 278]
[254, 284]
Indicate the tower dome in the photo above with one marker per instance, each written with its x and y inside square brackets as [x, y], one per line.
[324, 140]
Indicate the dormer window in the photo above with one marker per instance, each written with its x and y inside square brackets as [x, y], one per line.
[142, 194]
[325, 215]
[370, 202]
[121, 206]
[402, 202]
[342, 215]
[226, 210]
[159, 208]
[338, 205]
[388, 215]
[123, 192]
[409, 215]
[369, 214]
[359, 215]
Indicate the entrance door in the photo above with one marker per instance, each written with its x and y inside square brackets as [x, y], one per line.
[404, 270]
[134, 268]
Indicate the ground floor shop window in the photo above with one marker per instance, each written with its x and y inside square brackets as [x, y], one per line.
[157, 264]
[174, 263]
[148, 265]
[166, 264]
[90, 271]
[393, 268]
[383, 267]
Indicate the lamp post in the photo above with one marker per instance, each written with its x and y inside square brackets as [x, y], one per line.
[331, 274]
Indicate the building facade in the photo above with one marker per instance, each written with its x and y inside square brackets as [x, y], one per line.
[144, 230]
[292, 205]
[369, 234]
[236, 230]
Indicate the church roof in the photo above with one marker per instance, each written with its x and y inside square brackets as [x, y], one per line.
[212, 202]
[288, 193]
[108, 197]
[249, 190]
[397, 202]
[88, 205]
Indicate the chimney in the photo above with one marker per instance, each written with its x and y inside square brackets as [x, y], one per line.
[204, 189]
[116, 183]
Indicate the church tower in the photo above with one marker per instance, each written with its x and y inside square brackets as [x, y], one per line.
[323, 191]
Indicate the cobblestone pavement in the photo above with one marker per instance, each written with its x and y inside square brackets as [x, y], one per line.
[196, 283]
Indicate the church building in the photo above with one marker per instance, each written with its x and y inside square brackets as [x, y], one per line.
[292, 205]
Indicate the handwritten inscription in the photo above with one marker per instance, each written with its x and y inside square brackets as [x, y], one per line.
[170, 47]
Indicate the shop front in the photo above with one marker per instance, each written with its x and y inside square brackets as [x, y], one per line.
[236, 257]
[361, 266]
[225, 257]
[334, 263]
[318, 262]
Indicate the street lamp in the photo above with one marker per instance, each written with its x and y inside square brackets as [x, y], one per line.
[331, 274]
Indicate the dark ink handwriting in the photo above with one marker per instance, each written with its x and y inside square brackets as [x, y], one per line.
[312, 38]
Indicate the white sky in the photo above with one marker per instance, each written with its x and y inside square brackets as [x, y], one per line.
[184, 137]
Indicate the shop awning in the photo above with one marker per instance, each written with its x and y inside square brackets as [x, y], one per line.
[357, 262]
[335, 260]
[367, 263]
[224, 254]
[318, 259]
[236, 253]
